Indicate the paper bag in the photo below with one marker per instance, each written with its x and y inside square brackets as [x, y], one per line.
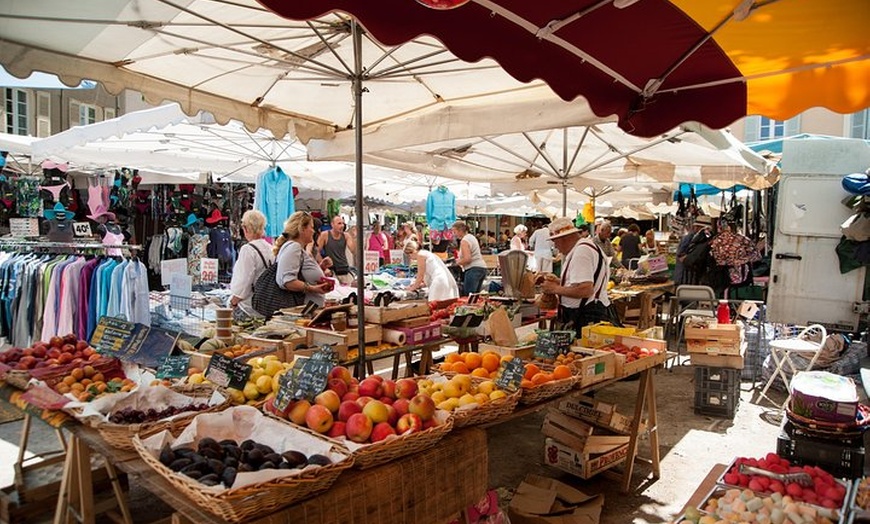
[502, 330]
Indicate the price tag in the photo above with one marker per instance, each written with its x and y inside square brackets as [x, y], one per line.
[308, 381]
[208, 270]
[172, 267]
[174, 367]
[372, 261]
[397, 256]
[510, 374]
[23, 227]
[226, 372]
[551, 344]
[82, 229]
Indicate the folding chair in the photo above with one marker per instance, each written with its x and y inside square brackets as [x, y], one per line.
[691, 301]
[782, 352]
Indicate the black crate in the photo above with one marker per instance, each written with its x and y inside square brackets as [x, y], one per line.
[840, 457]
[717, 379]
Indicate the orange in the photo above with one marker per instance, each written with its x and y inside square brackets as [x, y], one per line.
[490, 362]
[541, 378]
[78, 373]
[447, 366]
[460, 367]
[531, 370]
[507, 358]
[479, 372]
[472, 360]
[526, 384]
[493, 374]
[453, 358]
[561, 372]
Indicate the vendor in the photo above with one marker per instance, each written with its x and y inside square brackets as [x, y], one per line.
[297, 270]
[470, 259]
[254, 258]
[582, 289]
[432, 273]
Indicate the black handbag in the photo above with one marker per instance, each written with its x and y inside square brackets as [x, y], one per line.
[269, 297]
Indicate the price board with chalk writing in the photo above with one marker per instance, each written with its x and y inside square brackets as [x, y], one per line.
[510, 374]
[174, 366]
[551, 344]
[309, 380]
[226, 372]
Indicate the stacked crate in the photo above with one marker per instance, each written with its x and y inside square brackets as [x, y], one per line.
[717, 391]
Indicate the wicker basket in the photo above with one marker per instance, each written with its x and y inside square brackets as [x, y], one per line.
[391, 449]
[255, 500]
[484, 412]
[121, 435]
[548, 390]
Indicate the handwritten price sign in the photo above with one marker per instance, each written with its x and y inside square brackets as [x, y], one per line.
[372, 262]
[208, 270]
[82, 229]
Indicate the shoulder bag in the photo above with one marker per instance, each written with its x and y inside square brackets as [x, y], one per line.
[269, 297]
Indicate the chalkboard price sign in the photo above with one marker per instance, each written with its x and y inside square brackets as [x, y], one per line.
[113, 336]
[174, 367]
[226, 372]
[551, 344]
[510, 375]
[308, 380]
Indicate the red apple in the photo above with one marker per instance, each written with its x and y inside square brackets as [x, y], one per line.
[389, 389]
[358, 428]
[350, 395]
[55, 342]
[52, 353]
[269, 407]
[401, 406]
[319, 418]
[393, 416]
[381, 431]
[337, 430]
[377, 377]
[371, 388]
[428, 424]
[297, 410]
[377, 411]
[362, 401]
[65, 358]
[386, 400]
[348, 408]
[70, 338]
[68, 348]
[39, 352]
[409, 423]
[406, 388]
[423, 406]
[82, 345]
[341, 373]
[27, 352]
[337, 385]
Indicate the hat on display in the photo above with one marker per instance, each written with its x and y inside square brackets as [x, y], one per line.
[703, 220]
[58, 212]
[191, 220]
[215, 217]
[561, 227]
[99, 211]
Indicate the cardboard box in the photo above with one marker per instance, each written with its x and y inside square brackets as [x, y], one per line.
[603, 333]
[599, 413]
[579, 435]
[580, 463]
[420, 334]
[395, 312]
[542, 500]
[595, 366]
[720, 361]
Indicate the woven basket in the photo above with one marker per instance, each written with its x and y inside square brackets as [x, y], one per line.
[391, 449]
[121, 435]
[548, 390]
[484, 412]
[255, 500]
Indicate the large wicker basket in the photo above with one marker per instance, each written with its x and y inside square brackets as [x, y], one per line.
[484, 412]
[121, 435]
[393, 448]
[548, 390]
[255, 500]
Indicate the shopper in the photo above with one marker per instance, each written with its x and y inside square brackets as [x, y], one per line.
[431, 273]
[518, 240]
[334, 244]
[470, 259]
[254, 257]
[409, 234]
[681, 275]
[378, 242]
[297, 270]
[582, 288]
[648, 246]
[542, 247]
[602, 240]
[630, 245]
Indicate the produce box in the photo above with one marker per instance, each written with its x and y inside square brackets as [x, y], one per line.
[542, 500]
[595, 366]
[599, 413]
[603, 333]
[740, 500]
[524, 352]
[397, 311]
[717, 339]
[578, 434]
[341, 350]
[824, 396]
[420, 334]
[582, 464]
[720, 361]
[348, 337]
[842, 457]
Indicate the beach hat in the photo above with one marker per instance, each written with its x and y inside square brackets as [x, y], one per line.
[561, 227]
[58, 212]
[191, 220]
[215, 217]
[703, 220]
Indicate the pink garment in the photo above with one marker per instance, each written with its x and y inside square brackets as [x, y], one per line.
[68, 301]
[113, 239]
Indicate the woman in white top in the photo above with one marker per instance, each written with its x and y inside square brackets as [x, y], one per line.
[254, 258]
[519, 235]
[542, 247]
[470, 259]
[432, 273]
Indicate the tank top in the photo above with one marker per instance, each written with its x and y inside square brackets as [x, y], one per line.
[336, 250]
[474, 249]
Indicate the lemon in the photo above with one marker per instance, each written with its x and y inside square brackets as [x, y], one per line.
[236, 395]
[273, 367]
[251, 392]
[264, 384]
[438, 397]
[453, 389]
[467, 399]
[481, 398]
[255, 374]
[196, 378]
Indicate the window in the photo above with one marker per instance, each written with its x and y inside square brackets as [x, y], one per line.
[16, 111]
[860, 125]
[763, 128]
[108, 113]
[43, 114]
[87, 114]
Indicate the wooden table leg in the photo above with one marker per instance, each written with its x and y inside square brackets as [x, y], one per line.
[396, 361]
[425, 360]
[635, 426]
[409, 361]
[653, 427]
[61, 510]
[120, 496]
[643, 322]
[85, 484]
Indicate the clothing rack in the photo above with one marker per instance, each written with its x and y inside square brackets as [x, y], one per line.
[44, 245]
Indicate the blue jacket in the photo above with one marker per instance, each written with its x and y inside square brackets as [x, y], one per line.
[440, 209]
[274, 198]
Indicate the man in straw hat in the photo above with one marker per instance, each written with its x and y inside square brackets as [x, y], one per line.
[582, 288]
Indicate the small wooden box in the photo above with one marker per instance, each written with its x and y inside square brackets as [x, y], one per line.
[720, 361]
[348, 337]
[595, 366]
[715, 331]
[397, 311]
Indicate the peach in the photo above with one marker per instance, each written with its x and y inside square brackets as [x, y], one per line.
[337, 430]
[341, 373]
[409, 423]
[422, 406]
[319, 418]
[401, 406]
[389, 389]
[371, 388]
[406, 388]
[296, 411]
[337, 385]
[381, 431]
[328, 399]
[377, 411]
[348, 408]
[358, 427]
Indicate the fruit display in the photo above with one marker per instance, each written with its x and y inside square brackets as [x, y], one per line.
[459, 391]
[631, 353]
[483, 365]
[211, 345]
[212, 462]
[862, 494]
[88, 383]
[138, 416]
[58, 351]
[262, 384]
[822, 489]
[735, 505]
[240, 350]
[540, 374]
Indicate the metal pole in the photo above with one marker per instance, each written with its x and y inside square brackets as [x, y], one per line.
[564, 198]
[358, 154]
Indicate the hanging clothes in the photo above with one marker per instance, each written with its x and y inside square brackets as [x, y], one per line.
[197, 249]
[735, 251]
[274, 198]
[440, 209]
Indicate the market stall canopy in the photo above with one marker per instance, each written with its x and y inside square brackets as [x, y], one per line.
[654, 63]
[37, 80]
[238, 60]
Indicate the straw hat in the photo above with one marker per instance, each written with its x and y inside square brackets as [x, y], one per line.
[561, 227]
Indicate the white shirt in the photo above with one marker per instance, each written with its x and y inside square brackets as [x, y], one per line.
[248, 269]
[474, 250]
[579, 267]
[438, 279]
[541, 244]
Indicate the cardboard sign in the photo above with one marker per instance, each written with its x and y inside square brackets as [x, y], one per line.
[226, 372]
[466, 321]
[82, 229]
[174, 366]
[172, 267]
[510, 374]
[309, 380]
[23, 227]
[551, 344]
[372, 261]
[397, 256]
[208, 270]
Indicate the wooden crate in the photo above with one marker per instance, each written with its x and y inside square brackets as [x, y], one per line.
[714, 346]
[596, 412]
[524, 352]
[715, 331]
[340, 350]
[595, 366]
[395, 312]
[348, 337]
[579, 435]
[625, 369]
[720, 361]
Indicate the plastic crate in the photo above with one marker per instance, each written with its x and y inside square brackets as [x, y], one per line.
[717, 379]
[840, 457]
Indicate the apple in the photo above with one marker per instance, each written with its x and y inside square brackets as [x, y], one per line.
[39, 352]
[348, 408]
[378, 378]
[70, 338]
[362, 401]
[28, 362]
[381, 431]
[297, 410]
[401, 406]
[389, 389]
[341, 373]
[319, 418]
[392, 416]
[358, 427]
[82, 345]
[337, 385]
[269, 407]
[55, 342]
[428, 424]
[406, 388]
[371, 388]
[350, 395]
[386, 400]
[377, 411]
[68, 348]
[27, 352]
[328, 399]
[88, 351]
[337, 430]
[409, 423]
[52, 353]
[423, 406]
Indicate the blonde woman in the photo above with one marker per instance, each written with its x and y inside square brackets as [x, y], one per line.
[297, 270]
[518, 240]
[431, 273]
[254, 258]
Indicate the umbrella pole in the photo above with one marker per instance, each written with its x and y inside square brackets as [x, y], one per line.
[360, 249]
